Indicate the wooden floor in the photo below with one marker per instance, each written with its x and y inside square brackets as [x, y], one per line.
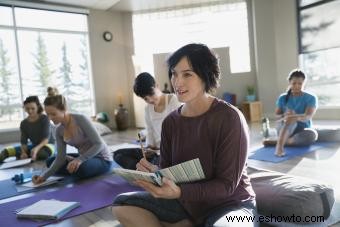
[322, 165]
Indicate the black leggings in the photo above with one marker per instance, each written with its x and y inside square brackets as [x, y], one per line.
[129, 157]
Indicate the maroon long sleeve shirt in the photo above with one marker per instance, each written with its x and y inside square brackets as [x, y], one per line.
[219, 138]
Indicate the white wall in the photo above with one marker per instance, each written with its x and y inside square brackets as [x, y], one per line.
[235, 83]
[161, 69]
[110, 61]
[265, 54]
[286, 40]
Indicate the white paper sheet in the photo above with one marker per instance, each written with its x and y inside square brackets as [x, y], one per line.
[50, 180]
[15, 163]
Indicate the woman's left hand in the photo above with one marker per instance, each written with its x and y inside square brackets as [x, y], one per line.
[168, 190]
[34, 152]
[290, 119]
[73, 165]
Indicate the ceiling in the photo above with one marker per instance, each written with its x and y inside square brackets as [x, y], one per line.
[128, 5]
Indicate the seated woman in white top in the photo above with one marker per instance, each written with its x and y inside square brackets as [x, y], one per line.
[159, 105]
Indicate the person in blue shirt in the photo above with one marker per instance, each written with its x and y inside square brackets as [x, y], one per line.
[294, 110]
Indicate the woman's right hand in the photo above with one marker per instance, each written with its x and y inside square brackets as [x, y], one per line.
[289, 112]
[146, 166]
[37, 179]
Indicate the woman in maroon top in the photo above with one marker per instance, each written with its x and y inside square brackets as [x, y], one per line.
[203, 127]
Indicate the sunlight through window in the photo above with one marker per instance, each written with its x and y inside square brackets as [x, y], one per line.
[220, 25]
[43, 48]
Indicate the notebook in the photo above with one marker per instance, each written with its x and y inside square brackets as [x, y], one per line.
[47, 209]
[185, 172]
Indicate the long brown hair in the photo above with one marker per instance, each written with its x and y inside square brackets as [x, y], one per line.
[58, 101]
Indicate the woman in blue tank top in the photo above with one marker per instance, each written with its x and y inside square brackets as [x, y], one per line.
[294, 110]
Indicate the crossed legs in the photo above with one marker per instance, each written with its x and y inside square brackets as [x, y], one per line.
[142, 209]
[12, 151]
[136, 216]
[291, 136]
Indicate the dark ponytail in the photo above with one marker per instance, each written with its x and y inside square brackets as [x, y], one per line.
[288, 94]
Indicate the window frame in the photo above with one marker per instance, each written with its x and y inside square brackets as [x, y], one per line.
[14, 28]
[299, 36]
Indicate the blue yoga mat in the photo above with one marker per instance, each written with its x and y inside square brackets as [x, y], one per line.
[8, 188]
[268, 153]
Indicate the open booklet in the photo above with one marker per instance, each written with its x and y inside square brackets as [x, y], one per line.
[47, 209]
[188, 171]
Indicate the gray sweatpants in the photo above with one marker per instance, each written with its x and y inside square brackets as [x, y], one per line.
[301, 136]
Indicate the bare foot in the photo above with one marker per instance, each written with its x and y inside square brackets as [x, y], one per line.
[280, 152]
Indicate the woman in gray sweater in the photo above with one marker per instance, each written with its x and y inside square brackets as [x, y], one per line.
[93, 156]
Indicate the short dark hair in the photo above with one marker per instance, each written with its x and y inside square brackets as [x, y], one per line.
[144, 85]
[34, 99]
[202, 60]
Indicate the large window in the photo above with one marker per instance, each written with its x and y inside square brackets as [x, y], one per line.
[218, 25]
[41, 48]
[319, 34]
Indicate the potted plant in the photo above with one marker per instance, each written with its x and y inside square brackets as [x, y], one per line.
[250, 93]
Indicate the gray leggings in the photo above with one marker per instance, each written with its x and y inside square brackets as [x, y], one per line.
[328, 134]
[301, 136]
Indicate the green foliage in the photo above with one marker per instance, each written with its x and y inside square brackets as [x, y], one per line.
[42, 65]
[84, 72]
[6, 89]
[250, 90]
[66, 74]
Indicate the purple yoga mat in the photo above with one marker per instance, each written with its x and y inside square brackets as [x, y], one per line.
[91, 195]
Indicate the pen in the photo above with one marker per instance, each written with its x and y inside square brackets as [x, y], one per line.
[141, 145]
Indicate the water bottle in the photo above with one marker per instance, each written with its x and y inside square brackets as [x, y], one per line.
[265, 127]
[22, 178]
